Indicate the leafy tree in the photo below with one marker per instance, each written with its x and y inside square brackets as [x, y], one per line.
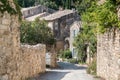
[85, 38]
[36, 32]
[103, 16]
[54, 4]
[68, 4]
[51, 4]
[26, 3]
[97, 18]
[82, 5]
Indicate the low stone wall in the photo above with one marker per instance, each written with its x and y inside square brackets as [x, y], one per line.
[108, 55]
[53, 56]
[53, 60]
[32, 60]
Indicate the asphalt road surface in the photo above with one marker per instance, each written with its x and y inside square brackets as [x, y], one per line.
[67, 71]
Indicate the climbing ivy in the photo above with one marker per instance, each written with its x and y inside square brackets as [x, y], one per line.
[5, 6]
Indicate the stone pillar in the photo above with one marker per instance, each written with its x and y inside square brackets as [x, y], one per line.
[53, 54]
[53, 60]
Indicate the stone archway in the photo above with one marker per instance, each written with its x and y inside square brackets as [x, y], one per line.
[66, 43]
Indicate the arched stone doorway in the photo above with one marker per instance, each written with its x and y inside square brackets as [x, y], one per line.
[66, 43]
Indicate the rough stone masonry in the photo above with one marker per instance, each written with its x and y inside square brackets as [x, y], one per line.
[32, 60]
[108, 55]
[17, 62]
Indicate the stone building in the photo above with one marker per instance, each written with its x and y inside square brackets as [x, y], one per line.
[74, 30]
[60, 23]
[31, 13]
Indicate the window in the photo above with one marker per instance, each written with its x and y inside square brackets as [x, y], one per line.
[56, 25]
[74, 33]
[28, 11]
[73, 52]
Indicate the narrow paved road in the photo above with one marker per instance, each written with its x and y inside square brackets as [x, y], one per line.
[67, 71]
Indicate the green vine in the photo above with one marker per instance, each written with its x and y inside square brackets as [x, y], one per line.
[102, 17]
[5, 6]
[97, 18]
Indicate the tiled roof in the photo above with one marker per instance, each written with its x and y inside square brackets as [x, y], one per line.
[58, 14]
[25, 9]
[32, 18]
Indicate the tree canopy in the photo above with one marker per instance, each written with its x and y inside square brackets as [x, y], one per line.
[36, 32]
[96, 18]
[26, 3]
[54, 4]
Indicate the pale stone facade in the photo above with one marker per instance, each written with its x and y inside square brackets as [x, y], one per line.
[14, 64]
[60, 23]
[108, 55]
[74, 30]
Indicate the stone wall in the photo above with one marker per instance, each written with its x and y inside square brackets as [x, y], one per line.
[32, 60]
[53, 55]
[108, 55]
[9, 46]
[15, 65]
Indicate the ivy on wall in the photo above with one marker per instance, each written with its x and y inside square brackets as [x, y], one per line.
[5, 6]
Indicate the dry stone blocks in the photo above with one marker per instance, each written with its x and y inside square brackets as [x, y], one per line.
[17, 62]
[32, 60]
[108, 49]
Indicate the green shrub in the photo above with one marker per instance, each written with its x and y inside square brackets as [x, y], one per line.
[66, 54]
[72, 60]
[92, 68]
[47, 66]
[36, 32]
